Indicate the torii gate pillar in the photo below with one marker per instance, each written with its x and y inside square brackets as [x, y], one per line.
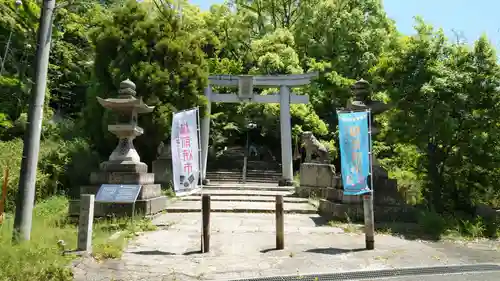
[286, 138]
[246, 84]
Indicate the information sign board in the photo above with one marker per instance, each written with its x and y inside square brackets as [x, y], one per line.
[118, 193]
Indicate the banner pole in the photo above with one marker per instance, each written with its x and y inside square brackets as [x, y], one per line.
[200, 165]
[200, 176]
[368, 198]
[173, 145]
[371, 149]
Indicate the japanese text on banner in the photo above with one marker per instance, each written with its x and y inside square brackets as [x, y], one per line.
[185, 154]
[354, 152]
[186, 148]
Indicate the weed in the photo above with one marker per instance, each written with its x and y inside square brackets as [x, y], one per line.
[121, 230]
[41, 258]
[473, 228]
[384, 230]
[168, 192]
[347, 226]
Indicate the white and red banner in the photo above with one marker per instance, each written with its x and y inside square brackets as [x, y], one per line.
[185, 151]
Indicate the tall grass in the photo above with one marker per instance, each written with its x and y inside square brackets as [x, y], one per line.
[41, 258]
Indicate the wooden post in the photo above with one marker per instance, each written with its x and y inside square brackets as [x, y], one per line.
[205, 209]
[280, 223]
[369, 221]
[85, 223]
[4, 193]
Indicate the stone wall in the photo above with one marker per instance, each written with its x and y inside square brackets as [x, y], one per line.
[491, 216]
[320, 181]
[163, 172]
[354, 212]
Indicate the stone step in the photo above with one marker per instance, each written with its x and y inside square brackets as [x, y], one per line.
[239, 173]
[242, 192]
[249, 186]
[240, 180]
[236, 168]
[245, 198]
[240, 176]
[259, 172]
[241, 207]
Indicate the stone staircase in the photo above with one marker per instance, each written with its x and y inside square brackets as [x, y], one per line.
[255, 176]
[229, 194]
[231, 170]
[243, 198]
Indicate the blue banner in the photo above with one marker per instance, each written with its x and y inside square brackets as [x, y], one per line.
[354, 152]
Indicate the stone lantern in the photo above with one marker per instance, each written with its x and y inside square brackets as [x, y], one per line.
[124, 166]
[127, 107]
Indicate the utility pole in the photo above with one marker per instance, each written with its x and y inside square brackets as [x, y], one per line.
[26, 193]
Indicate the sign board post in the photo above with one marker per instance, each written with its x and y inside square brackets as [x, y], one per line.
[85, 223]
[356, 163]
[120, 194]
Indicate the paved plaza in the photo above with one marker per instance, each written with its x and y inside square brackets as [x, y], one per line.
[242, 246]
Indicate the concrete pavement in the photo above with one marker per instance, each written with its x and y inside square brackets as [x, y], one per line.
[242, 247]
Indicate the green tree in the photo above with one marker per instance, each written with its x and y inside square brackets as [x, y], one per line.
[445, 96]
[165, 61]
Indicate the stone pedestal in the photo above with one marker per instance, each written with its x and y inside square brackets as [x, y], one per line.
[163, 173]
[124, 166]
[318, 180]
[150, 200]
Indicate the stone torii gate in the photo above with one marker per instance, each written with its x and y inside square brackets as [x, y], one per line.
[245, 85]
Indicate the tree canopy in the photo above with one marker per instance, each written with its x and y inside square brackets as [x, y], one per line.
[440, 139]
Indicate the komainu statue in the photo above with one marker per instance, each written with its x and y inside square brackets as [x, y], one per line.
[164, 151]
[314, 147]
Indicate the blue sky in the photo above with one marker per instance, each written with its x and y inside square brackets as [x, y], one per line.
[468, 18]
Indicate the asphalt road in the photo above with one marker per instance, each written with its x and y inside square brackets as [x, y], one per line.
[472, 272]
[482, 276]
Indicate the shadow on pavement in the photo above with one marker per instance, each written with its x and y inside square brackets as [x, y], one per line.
[334, 251]
[192, 253]
[269, 250]
[319, 221]
[153, 253]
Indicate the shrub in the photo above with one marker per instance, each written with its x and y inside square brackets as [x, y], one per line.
[432, 223]
[11, 159]
[62, 166]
